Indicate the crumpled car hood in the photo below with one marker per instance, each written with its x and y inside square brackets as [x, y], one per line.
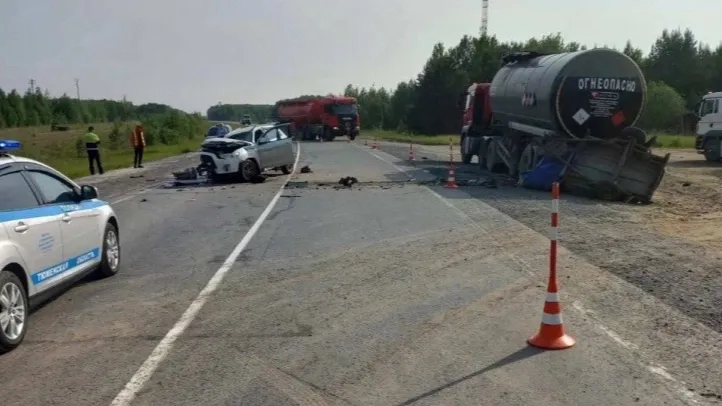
[223, 145]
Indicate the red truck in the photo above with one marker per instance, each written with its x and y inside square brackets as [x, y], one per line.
[325, 117]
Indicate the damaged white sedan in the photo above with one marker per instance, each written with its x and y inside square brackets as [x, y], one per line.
[247, 152]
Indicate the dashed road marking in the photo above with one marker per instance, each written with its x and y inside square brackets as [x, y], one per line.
[161, 351]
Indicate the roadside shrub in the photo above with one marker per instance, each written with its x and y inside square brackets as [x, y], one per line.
[79, 147]
[115, 137]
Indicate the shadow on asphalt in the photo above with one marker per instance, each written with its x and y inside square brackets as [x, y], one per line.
[519, 355]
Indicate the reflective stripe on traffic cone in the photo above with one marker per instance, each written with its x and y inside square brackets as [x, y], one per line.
[451, 182]
[551, 335]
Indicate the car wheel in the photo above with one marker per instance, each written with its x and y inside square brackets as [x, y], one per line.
[13, 311]
[286, 169]
[249, 170]
[110, 261]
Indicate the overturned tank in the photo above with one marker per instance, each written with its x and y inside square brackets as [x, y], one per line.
[597, 92]
[579, 110]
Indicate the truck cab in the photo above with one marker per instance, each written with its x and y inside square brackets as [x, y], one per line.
[709, 128]
[476, 107]
[341, 117]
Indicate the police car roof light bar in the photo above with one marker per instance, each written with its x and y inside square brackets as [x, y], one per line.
[9, 145]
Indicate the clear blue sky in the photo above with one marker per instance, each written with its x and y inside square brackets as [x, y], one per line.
[192, 54]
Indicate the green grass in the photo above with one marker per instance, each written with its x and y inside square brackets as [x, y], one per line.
[58, 149]
[663, 140]
[407, 138]
[675, 141]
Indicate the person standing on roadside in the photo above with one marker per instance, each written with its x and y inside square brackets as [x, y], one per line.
[91, 147]
[137, 140]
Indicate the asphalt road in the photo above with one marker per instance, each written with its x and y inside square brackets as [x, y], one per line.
[387, 293]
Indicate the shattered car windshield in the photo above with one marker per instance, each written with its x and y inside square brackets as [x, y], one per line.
[243, 136]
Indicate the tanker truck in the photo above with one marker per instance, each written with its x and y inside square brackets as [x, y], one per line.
[569, 114]
[322, 118]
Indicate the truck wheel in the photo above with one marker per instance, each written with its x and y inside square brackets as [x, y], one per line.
[13, 311]
[465, 155]
[352, 136]
[526, 161]
[482, 154]
[709, 154]
[490, 156]
[328, 135]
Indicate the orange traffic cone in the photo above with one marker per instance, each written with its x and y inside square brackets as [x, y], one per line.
[411, 151]
[551, 335]
[366, 143]
[376, 144]
[451, 182]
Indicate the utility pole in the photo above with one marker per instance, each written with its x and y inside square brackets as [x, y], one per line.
[77, 87]
[32, 85]
[484, 17]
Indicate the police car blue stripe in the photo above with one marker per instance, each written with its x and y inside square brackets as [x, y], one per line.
[49, 210]
[66, 266]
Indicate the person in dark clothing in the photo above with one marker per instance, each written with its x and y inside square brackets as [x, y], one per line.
[91, 147]
[137, 140]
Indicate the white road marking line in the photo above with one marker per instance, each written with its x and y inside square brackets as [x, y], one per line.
[678, 386]
[135, 193]
[161, 351]
[398, 168]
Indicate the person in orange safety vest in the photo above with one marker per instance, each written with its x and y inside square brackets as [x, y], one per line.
[137, 140]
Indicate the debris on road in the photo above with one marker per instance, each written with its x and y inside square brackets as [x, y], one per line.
[258, 179]
[348, 181]
[306, 169]
[297, 185]
[190, 176]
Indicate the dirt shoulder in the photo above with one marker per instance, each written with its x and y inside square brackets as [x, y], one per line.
[688, 203]
[115, 183]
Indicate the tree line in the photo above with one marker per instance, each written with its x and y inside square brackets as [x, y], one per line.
[36, 108]
[678, 69]
[260, 113]
[163, 124]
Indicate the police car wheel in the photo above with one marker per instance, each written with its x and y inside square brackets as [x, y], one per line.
[13, 311]
[110, 263]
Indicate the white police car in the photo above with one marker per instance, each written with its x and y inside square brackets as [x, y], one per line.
[52, 233]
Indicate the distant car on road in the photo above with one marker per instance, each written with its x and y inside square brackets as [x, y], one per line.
[247, 152]
[52, 233]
